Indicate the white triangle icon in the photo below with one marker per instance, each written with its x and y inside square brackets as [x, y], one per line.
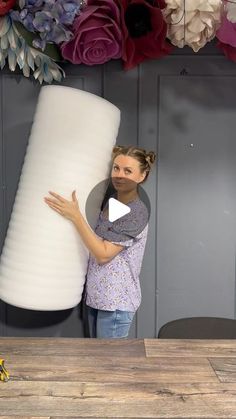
[116, 209]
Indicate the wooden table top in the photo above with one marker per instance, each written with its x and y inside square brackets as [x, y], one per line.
[124, 378]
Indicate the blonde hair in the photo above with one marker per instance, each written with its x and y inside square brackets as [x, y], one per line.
[145, 158]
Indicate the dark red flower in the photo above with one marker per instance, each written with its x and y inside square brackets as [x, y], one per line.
[5, 6]
[144, 31]
[228, 50]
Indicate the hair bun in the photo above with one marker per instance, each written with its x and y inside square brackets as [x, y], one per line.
[151, 157]
[117, 148]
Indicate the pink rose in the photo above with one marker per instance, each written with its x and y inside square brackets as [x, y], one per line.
[97, 34]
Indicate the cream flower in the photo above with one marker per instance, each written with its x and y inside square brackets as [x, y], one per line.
[193, 25]
[230, 7]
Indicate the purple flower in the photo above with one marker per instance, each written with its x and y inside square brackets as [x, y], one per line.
[43, 22]
[97, 34]
[51, 19]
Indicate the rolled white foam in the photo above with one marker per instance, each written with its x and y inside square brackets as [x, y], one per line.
[44, 261]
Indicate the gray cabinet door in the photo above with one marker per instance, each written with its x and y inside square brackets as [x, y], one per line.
[193, 114]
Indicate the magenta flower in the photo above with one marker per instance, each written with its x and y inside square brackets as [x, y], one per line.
[226, 35]
[97, 34]
[227, 32]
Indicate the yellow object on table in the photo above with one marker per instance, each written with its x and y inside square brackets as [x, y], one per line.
[4, 375]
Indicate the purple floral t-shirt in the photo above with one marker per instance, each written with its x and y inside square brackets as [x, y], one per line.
[115, 285]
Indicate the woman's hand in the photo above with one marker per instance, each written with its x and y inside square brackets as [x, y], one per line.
[68, 209]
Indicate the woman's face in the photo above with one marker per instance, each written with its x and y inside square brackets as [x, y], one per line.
[126, 173]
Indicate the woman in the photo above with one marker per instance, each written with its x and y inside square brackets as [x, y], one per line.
[116, 248]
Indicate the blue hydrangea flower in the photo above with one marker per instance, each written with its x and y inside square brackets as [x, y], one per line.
[50, 19]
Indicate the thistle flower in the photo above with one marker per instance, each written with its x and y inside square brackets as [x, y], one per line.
[14, 48]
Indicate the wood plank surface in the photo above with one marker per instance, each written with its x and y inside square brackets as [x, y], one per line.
[190, 347]
[72, 346]
[225, 369]
[94, 378]
[125, 370]
[119, 400]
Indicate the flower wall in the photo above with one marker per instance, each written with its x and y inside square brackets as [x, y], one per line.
[37, 36]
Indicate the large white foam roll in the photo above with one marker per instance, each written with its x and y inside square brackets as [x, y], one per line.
[44, 261]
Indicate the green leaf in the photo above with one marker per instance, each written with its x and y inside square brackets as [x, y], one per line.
[51, 50]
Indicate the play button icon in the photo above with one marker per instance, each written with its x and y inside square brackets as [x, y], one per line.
[116, 221]
[116, 209]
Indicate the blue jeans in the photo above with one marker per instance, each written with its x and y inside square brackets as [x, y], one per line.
[109, 324]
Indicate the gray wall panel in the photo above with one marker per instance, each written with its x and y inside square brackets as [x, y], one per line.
[2, 179]
[2, 212]
[84, 77]
[148, 138]
[121, 89]
[196, 198]
[125, 89]
[19, 98]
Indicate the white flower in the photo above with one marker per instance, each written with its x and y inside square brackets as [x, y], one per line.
[194, 25]
[14, 48]
[230, 7]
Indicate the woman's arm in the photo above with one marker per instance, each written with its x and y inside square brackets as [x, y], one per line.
[101, 249]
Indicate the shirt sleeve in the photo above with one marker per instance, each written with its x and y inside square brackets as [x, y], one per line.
[130, 242]
[126, 243]
[127, 230]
